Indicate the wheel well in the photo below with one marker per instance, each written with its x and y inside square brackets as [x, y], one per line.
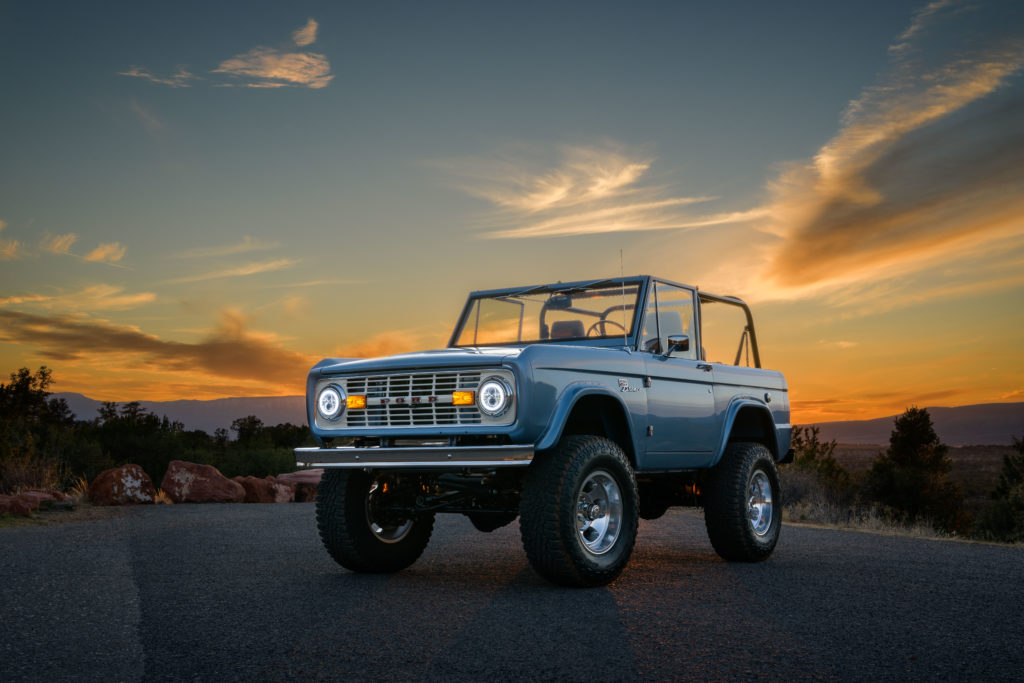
[601, 416]
[754, 424]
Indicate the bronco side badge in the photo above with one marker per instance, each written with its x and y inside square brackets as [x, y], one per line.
[624, 386]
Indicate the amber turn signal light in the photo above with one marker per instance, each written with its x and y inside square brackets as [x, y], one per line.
[356, 402]
[463, 398]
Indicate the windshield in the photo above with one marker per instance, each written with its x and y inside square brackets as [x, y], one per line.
[602, 310]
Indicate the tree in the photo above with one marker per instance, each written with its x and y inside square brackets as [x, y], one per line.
[130, 434]
[912, 476]
[250, 432]
[35, 432]
[1003, 519]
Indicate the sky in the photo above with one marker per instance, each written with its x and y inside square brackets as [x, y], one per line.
[201, 200]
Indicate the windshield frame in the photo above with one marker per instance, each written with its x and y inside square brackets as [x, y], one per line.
[629, 340]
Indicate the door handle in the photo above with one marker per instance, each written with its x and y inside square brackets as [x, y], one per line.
[704, 366]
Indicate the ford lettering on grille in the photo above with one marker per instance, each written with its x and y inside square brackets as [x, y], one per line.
[412, 400]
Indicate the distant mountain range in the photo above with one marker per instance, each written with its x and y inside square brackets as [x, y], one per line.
[207, 415]
[989, 424]
[985, 424]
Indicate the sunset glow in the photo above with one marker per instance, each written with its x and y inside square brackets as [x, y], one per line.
[202, 203]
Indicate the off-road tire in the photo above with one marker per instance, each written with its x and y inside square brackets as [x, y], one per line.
[343, 518]
[741, 527]
[490, 521]
[550, 510]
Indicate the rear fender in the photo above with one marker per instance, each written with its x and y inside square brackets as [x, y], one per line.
[749, 420]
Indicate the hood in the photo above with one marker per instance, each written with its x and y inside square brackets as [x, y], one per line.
[421, 360]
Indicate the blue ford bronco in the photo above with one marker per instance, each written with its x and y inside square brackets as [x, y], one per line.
[578, 407]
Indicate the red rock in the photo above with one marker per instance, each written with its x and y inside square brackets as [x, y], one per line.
[16, 505]
[187, 482]
[256, 490]
[305, 483]
[37, 498]
[125, 485]
[283, 493]
[51, 496]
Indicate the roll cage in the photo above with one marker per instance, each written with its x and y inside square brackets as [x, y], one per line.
[564, 295]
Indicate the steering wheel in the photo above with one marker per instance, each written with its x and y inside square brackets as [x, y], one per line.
[601, 324]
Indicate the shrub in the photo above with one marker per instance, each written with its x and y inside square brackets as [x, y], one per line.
[1003, 519]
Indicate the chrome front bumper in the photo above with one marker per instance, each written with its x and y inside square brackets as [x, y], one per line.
[416, 457]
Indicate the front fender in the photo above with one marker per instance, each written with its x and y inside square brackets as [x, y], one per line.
[767, 424]
[564, 404]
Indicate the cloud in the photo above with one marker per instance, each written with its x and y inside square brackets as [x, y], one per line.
[229, 351]
[306, 35]
[260, 67]
[105, 298]
[248, 244]
[590, 190]
[110, 252]
[23, 299]
[925, 165]
[180, 78]
[920, 21]
[271, 68]
[92, 298]
[10, 249]
[331, 282]
[59, 244]
[253, 268]
[393, 342]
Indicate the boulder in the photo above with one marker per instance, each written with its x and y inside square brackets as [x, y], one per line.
[256, 490]
[125, 485]
[22, 504]
[283, 493]
[46, 496]
[15, 505]
[305, 483]
[187, 482]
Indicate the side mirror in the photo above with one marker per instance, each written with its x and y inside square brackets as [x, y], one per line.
[677, 342]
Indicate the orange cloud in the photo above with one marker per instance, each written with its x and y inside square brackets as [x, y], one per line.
[10, 249]
[92, 298]
[925, 165]
[590, 190]
[111, 252]
[266, 67]
[390, 343]
[307, 34]
[260, 67]
[229, 352]
[59, 244]
[240, 271]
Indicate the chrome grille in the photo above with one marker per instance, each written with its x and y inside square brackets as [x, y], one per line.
[411, 400]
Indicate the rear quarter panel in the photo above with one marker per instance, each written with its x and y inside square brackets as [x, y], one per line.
[737, 387]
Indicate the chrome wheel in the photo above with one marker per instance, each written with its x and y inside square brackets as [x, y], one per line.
[385, 527]
[759, 503]
[599, 512]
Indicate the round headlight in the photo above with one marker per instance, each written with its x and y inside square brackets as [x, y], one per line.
[494, 397]
[331, 402]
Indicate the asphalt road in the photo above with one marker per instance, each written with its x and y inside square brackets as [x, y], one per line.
[224, 592]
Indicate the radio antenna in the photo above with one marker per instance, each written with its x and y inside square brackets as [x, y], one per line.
[622, 281]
